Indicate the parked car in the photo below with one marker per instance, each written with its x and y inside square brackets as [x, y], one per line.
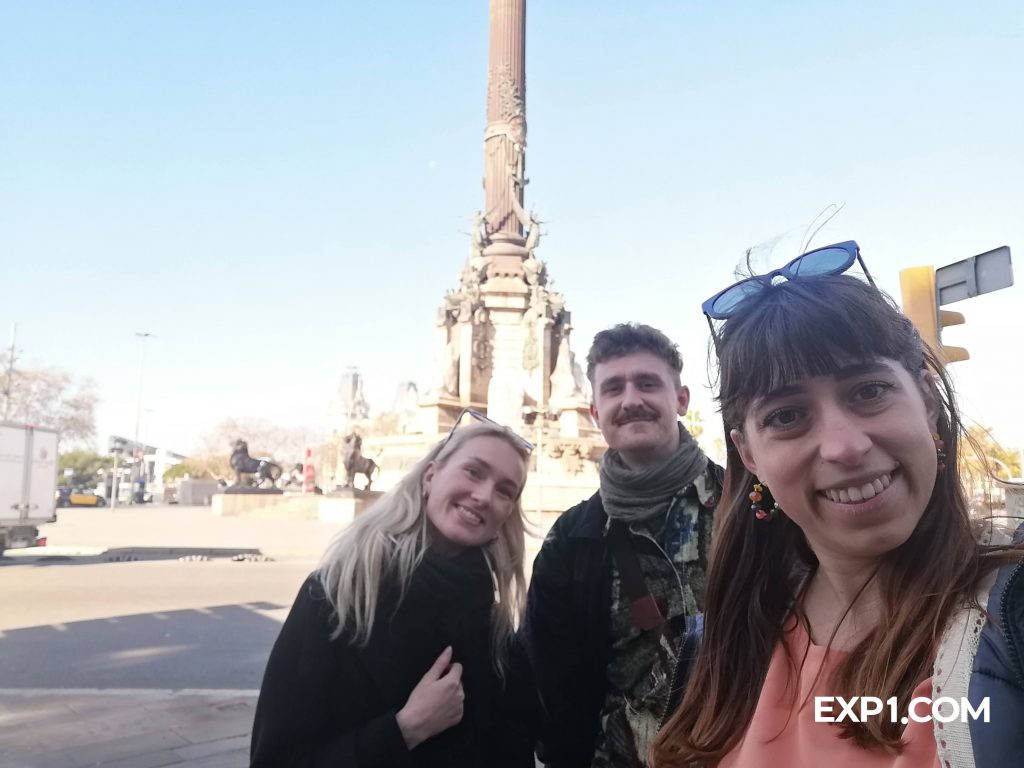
[78, 497]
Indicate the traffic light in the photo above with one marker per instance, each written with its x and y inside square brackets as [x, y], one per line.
[917, 285]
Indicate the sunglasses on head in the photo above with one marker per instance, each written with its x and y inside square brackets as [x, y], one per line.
[483, 419]
[830, 260]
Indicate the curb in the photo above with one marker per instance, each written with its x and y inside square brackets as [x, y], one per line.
[146, 553]
[54, 551]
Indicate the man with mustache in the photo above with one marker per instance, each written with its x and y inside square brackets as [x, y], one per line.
[620, 574]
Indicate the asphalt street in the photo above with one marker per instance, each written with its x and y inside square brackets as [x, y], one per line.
[139, 636]
[161, 624]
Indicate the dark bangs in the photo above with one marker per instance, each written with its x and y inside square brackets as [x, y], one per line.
[808, 327]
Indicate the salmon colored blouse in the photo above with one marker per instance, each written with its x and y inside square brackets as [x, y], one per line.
[778, 736]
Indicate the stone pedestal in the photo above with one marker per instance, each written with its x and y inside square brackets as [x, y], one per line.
[437, 414]
[574, 420]
[342, 507]
[278, 505]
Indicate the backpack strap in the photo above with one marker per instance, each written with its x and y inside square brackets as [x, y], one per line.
[954, 662]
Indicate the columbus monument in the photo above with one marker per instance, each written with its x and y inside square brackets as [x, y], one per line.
[502, 333]
[502, 339]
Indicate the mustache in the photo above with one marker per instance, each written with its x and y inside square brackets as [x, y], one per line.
[640, 414]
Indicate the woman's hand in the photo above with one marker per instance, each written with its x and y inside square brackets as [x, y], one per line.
[435, 704]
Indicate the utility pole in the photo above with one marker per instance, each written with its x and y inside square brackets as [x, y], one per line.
[9, 378]
[114, 485]
[137, 458]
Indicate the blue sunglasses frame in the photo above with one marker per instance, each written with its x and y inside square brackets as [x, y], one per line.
[820, 261]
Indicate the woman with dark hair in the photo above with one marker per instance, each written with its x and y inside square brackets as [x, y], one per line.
[399, 649]
[846, 564]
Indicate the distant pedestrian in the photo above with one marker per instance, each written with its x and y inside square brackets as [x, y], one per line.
[399, 648]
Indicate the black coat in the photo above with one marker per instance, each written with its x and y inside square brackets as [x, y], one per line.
[567, 632]
[567, 628]
[329, 703]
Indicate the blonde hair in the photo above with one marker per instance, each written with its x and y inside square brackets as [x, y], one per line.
[385, 544]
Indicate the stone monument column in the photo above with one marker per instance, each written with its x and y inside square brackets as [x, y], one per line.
[503, 343]
[505, 138]
[505, 293]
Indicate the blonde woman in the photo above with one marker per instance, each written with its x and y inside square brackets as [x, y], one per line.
[397, 651]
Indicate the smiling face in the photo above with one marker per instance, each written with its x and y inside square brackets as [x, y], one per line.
[849, 457]
[473, 493]
[636, 404]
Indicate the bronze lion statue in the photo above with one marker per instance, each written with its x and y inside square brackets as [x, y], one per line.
[355, 463]
[263, 472]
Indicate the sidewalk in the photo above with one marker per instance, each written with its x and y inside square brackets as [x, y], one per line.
[174, 530]
[171, 531]
[125, 729]
[42, 728]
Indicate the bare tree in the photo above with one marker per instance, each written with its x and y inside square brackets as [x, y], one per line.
[51, 397]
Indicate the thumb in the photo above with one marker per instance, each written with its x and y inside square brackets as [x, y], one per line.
[439, 666]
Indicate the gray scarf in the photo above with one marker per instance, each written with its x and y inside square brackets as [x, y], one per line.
[633, 495]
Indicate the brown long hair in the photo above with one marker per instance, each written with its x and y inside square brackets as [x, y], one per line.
[796, 329]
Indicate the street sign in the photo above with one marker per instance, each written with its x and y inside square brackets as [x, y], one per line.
[971, 277]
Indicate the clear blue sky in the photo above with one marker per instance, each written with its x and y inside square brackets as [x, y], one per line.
[280, 190]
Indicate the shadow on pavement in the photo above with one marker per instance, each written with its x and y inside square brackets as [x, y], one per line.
[223, 646]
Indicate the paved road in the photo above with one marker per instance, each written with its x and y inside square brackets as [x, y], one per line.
[157, 624]
[124, 655]
[115, 652]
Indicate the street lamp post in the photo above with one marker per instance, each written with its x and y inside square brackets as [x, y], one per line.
[114, 485]
[137, 457]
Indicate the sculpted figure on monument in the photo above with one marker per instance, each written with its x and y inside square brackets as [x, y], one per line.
[450, 374]
[469, 283]
[573, 456]
[540, 302]
[531, 357]
[564, 385]
[479, 237]
[556, 304]
[482, 333]
[250, 472]
[533, 270]
[355, 463]
[528, 221]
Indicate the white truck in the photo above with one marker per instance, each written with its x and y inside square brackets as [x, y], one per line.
[28, 483]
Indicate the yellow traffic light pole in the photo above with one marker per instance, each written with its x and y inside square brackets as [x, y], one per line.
[917, 284]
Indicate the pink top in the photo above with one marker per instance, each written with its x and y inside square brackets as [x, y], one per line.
[775, 738]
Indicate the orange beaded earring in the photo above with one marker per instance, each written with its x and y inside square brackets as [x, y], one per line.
[756, 496]
[940, 452]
